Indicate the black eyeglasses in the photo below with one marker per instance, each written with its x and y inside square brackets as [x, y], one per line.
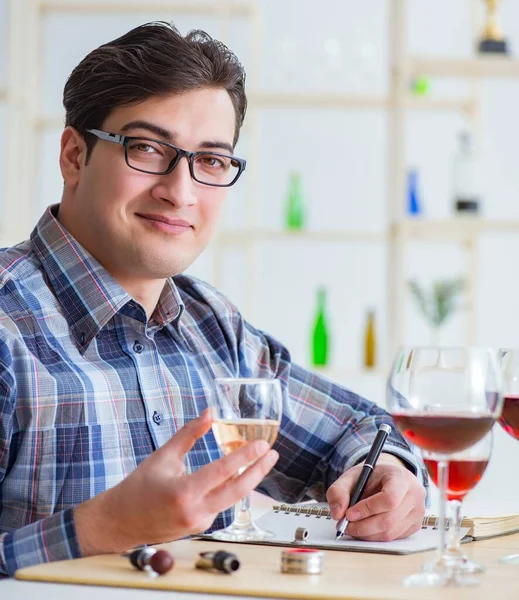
[160, 158]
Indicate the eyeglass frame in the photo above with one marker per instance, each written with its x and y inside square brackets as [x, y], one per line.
[124, 140]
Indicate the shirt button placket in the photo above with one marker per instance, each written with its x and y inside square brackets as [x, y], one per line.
[138, 347]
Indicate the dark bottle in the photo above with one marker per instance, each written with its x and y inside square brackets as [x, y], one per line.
[466, 178]
[320, 336]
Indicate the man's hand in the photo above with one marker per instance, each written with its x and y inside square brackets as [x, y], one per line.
[158, 502]
[392, 506]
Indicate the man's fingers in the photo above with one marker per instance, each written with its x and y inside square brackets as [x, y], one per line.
[384, 526]
[214, 474]
[185, 438]
[389, 498]
[338, 494]
[234, 490]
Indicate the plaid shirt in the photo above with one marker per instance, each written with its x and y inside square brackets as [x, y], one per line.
[89, 388]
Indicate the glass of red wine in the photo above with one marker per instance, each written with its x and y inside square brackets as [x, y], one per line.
[465, 470]
[509, 421]
[444, 400]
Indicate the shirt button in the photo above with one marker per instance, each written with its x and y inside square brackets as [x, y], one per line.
[157, 418]
[138, 347]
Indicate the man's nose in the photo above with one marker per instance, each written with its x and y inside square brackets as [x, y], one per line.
[178, 187]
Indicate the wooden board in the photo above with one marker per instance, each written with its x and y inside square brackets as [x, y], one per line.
[348, 576]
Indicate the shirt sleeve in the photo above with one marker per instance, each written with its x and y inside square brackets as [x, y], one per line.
[325, 430]
[52, 538]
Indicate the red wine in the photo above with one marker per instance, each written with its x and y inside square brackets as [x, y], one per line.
[509, 420]
[444, 434]
[463, 475]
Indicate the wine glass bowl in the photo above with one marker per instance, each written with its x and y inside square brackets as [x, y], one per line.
[444, 401]
[245, 410]
[509, 420]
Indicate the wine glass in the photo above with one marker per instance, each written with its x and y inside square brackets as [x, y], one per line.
[444, 400]
[245, 410]
[465, 470]
[509, 421]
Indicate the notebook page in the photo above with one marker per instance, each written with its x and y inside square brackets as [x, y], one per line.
[321, 533]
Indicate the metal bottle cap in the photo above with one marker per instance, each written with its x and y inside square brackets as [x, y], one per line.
[300, 535]
[302, 561]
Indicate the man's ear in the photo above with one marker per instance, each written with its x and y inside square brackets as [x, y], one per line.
[72, 155]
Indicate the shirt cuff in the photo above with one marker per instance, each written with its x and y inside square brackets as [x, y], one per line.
[50, 539]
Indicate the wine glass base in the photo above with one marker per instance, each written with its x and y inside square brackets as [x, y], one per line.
[425, 579]
[511, 559]
[237, 532]
[435, 579]
[459, 563]
[468, 566]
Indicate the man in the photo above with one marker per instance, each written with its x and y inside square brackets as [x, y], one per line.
[108, 353]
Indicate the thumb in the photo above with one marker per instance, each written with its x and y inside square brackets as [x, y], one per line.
[185, 438]
[339, 493]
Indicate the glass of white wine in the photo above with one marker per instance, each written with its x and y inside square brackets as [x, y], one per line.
[245, 410]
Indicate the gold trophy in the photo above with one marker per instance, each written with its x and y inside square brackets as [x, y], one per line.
[492, 40]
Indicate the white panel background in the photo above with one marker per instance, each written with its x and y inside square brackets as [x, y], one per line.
[343, 157]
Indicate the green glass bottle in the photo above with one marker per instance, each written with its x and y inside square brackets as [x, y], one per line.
[320, 336]
[295, 208]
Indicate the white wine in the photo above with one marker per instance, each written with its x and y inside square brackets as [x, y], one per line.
[232, 434]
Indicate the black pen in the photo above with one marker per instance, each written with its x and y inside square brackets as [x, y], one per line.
[369, 464]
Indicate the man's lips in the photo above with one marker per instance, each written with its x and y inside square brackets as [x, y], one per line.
[166, 224]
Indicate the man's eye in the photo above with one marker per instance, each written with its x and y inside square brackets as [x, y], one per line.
[214, 162]
[142, 147]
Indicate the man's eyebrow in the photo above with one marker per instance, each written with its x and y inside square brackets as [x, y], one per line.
[215, 144]
[169, 137]
[156, 129]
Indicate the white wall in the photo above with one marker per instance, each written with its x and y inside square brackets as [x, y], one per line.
[343, 156]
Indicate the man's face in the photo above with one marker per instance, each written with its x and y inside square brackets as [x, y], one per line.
[145, 226]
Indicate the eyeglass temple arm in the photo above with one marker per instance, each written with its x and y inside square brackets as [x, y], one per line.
[108, 137]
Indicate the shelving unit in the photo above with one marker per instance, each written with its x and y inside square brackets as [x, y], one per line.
[25, 123]
[400, 229]
[477, 67]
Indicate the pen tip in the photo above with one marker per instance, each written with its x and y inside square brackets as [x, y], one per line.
[338, 535]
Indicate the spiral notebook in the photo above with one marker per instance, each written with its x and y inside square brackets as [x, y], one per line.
[284, 519]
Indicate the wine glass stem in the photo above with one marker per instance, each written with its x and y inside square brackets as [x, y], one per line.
[443, 478]
[242, 512]
[453, 543]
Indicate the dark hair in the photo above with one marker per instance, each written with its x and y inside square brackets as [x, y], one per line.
[153, 59]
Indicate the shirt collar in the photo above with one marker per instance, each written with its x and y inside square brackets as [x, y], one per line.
[87, 293]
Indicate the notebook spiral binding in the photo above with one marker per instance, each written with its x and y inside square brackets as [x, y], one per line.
[307, 511]
[323, 511]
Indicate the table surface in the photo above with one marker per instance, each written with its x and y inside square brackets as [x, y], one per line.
[347, 576]
[500, 581]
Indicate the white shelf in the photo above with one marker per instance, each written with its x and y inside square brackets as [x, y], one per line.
[310, 100]
[341, 375]
[446, 104]
[453, 230]
[50, 122]
[458, 230]
[278, 100]
[272, 235]
[128, 6]
[477, 67]
[349, 101]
